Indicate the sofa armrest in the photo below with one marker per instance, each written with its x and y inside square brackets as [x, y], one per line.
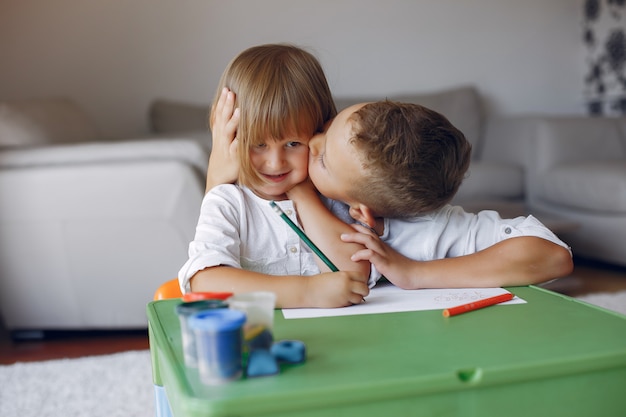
[553, 145]
[562, 140]
[185, 150]
[77, 236]
[541, 145]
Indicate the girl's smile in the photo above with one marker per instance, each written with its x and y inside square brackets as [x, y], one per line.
[275, 178]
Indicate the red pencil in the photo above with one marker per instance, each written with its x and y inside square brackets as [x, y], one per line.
[485, 302]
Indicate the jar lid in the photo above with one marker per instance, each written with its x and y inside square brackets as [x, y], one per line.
[217, 320]
[195, 296]
[187, 309]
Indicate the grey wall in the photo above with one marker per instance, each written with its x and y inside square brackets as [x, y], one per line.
[115, 56]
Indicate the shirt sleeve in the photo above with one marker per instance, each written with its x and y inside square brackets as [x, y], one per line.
[217, 240]
[464, 233]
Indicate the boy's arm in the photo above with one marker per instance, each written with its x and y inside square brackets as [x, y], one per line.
[223, 163]
[325, 229]
[326, 290]
[516, 261]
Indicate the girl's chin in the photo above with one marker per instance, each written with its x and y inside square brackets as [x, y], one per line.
[271, 195]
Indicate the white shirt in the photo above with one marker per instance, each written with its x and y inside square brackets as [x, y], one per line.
[451, 232]
[239, 229]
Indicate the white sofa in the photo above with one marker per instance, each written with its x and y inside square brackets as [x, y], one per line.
[575, 171]
[89, 228]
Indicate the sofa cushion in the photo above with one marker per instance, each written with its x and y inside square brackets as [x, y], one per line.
[44, 121]
[168, 116]
[489, 180]
[598, 186]
[461, 105]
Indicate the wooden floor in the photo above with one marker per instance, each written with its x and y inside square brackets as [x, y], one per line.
[58, 345]
[588, 277]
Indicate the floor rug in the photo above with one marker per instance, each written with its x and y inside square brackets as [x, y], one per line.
[118, 385]
[615, 301]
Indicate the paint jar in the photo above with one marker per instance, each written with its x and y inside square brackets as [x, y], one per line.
[218, 335]
[184, 311]
[259, 308]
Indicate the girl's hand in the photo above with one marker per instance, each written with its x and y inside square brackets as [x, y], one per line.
[336, 289]
[394, 266]
[224, 162]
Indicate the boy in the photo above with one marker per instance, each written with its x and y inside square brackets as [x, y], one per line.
[396, 166]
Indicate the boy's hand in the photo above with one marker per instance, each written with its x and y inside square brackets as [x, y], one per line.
[394, 266]
[337, 289]
[223, 162]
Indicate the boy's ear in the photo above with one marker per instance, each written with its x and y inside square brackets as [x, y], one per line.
[363, 214]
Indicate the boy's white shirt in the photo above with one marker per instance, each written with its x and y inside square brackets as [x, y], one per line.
[450, 232]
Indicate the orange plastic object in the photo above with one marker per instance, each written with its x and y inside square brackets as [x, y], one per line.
[169, 289]
[197, 296]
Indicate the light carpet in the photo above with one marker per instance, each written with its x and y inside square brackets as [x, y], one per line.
[615, 301]
[118, 385]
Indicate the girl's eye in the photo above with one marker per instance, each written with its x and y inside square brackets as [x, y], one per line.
[293, 144]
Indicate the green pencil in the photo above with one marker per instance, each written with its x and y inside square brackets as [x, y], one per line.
[304, 237]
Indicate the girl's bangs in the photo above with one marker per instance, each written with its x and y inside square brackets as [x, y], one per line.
[277, 126]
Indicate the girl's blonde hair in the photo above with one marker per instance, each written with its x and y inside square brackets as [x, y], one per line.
[280, 90]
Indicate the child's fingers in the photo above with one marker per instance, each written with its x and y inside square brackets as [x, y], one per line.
[364, 255]
[217, 110]
[219, 106]
[229, 105]
[233, 122]
[367, 240]
[362, 229]
[360, 290]
[353, 237]
[225, 104]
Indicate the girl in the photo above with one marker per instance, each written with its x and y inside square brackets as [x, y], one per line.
[281, 98]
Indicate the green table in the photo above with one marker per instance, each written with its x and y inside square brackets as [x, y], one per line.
[553, 356]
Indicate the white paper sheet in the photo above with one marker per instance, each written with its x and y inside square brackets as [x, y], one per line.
[387, 298]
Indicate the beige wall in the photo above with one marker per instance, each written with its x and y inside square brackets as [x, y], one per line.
[115, 56]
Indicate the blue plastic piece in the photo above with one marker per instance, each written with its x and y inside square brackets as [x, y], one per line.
[290, 351]
[261, 363]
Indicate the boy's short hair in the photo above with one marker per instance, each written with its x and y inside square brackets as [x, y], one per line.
[414, 158]
[280, 90]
